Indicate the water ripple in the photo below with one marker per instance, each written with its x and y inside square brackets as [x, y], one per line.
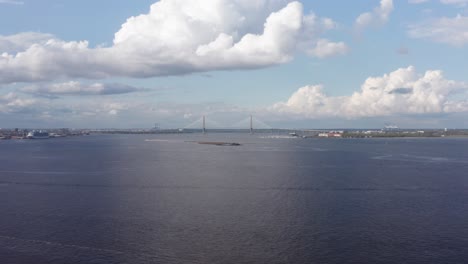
[240, 188]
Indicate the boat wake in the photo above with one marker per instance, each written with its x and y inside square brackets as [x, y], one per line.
[416, 158]
[157, 140]
[279, 137]
[56, 244]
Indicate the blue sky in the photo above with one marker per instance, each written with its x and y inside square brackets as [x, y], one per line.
[356, 64]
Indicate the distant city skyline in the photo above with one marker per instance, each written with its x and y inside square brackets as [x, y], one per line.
[291, 64]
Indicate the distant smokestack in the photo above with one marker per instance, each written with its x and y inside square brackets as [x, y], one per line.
[204, 127]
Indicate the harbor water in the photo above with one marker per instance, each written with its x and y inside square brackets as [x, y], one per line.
[272, 199]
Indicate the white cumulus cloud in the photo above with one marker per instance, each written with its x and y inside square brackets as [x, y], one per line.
[379, 16]
[22, 41]
[403, 91]
[175, 37]
[325, 48]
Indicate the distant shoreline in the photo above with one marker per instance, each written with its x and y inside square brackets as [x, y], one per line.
[16, 134]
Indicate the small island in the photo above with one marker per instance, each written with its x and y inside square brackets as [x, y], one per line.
[233, 144]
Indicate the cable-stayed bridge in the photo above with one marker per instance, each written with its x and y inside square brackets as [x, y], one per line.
[250, 123]
[204, 122]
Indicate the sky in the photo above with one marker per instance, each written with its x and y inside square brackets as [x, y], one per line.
[290, 64]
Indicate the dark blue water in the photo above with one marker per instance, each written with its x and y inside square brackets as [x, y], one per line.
[123, 199]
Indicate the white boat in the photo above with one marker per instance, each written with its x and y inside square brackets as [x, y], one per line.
[38, 134]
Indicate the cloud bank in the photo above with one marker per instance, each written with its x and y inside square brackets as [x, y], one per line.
[417, 1]
[461, 3]
[12, 103]
[176, 37]
[77, 88]
[11, 2]
[401, 92]
[452, 31]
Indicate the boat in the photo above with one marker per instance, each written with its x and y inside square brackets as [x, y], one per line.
[35, 134]
[55, 135]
